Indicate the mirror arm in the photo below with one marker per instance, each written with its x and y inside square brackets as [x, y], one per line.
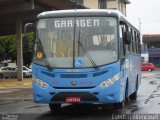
[26, 26]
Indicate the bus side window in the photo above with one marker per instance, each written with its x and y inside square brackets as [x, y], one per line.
[131, 45]
[136, 42]
[122, 50]
[139, 44]
[126, 47]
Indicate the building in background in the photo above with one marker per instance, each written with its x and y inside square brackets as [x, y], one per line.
[151, 44]
[104, 4]
[144, 56]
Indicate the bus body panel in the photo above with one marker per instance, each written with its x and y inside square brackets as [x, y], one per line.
[133, 72]
[110, 94]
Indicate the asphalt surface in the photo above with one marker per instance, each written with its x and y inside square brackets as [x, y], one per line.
[16, 103]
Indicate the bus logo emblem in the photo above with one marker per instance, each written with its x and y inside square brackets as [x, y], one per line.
[73, 83]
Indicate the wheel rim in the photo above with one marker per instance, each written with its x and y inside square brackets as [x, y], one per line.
[149, 69]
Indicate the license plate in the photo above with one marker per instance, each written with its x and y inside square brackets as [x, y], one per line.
[73, 99]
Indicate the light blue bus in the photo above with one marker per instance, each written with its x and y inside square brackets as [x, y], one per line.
[84, 57]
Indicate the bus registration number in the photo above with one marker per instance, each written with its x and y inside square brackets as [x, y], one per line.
[73, 99]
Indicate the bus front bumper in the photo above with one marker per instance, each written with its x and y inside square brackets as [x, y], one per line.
[99, 95]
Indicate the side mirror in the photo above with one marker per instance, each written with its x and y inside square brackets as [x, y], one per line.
[25, 41]
[25, 37]
[127, 37]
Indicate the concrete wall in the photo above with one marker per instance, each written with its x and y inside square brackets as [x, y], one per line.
[122, 7]
[91, 3]
[111, 4]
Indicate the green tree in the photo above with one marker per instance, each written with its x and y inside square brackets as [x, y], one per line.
[8, 49]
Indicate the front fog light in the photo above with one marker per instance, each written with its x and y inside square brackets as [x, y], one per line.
[110, 81]
[39, 82]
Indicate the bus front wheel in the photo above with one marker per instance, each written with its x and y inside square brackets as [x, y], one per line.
[55, 107]
[119, 105]
[133, 96]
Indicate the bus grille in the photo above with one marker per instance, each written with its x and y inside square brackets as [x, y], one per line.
[96, 74]
[85, 96]
[73, 75]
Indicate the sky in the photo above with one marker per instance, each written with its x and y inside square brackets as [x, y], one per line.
[146, 14]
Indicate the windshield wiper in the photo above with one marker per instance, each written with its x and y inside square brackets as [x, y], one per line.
[41, 49]
[86, 52]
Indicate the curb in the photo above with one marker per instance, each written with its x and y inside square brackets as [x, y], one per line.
[15, 83]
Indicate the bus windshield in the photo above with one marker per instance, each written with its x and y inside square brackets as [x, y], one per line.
[76, 42]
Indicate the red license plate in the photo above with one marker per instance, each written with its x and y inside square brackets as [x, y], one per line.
[73, 99]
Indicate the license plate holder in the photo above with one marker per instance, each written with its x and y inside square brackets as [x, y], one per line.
[73, 99]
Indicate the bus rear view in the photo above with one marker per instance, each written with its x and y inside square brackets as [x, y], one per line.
[77, 59]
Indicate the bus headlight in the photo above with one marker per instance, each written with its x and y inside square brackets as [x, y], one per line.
[110, 81]
[39, 82]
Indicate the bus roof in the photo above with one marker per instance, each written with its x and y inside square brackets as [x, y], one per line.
[80, 12]
[83, 13]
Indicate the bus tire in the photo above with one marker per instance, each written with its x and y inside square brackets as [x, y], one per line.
[133, 96]
[55, 107]
[126, 92]
[119, 105]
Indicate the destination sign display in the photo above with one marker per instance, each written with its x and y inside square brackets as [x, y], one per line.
[78, 23]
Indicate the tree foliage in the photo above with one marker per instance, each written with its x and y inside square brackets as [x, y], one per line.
[8, 49]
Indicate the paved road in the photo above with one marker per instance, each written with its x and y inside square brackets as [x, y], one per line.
[17, 103]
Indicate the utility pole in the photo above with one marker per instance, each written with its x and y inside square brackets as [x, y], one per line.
[19, 49]
[140, 23]
[140, 30]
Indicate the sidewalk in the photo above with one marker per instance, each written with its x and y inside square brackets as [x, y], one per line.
[5, 83]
